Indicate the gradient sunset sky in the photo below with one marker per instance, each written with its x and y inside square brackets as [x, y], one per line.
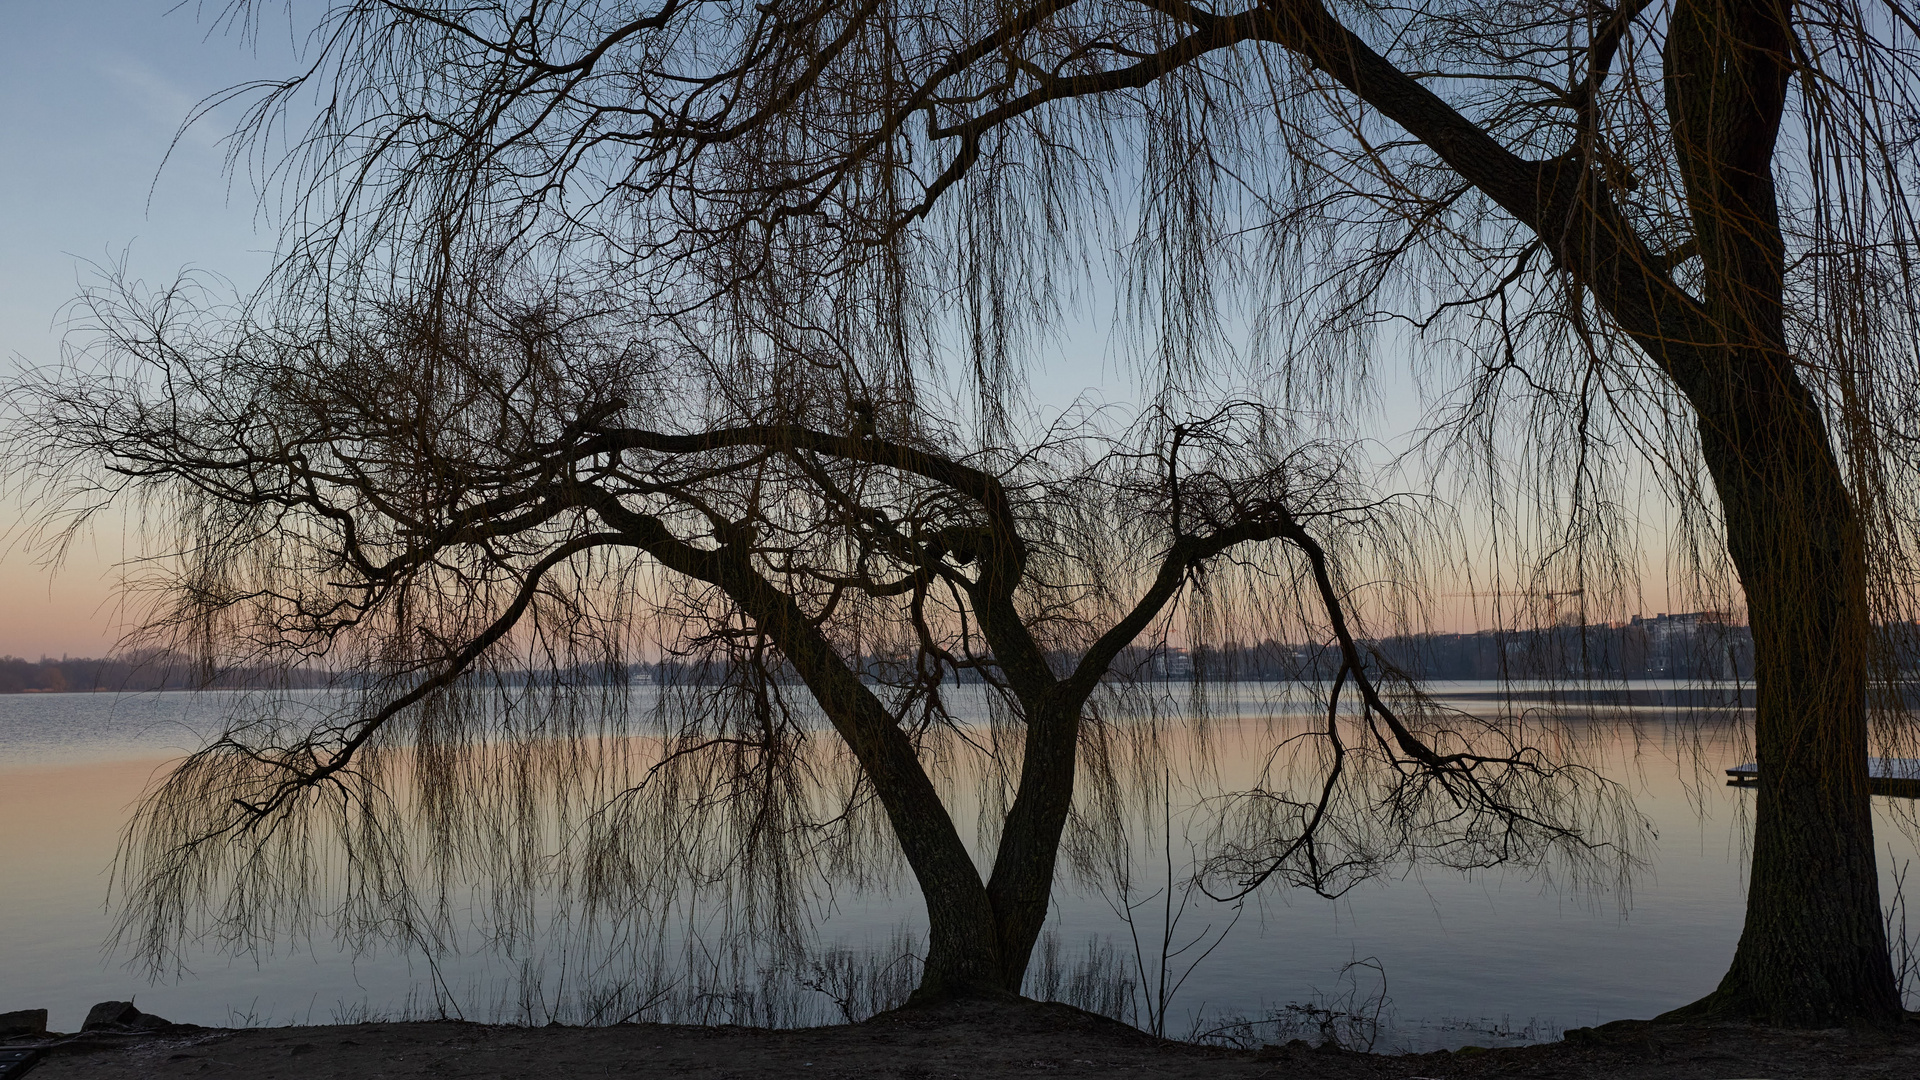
[95, 94]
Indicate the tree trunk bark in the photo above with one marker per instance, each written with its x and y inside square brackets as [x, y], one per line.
[963, 949]
[964, 953]
[1813, 951]
[1022, 881]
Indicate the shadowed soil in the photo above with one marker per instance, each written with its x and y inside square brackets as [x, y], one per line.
[974, 1039]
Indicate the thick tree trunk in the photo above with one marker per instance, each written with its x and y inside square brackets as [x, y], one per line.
[1813, 951]
[965, 957]
[1022, 880]
[963, 949]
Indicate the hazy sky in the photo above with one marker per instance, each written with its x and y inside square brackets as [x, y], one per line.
[94, 92]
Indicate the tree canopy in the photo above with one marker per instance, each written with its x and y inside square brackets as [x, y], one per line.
[431, 501]
[1677, 228]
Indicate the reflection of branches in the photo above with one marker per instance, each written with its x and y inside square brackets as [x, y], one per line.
[444, 510]
[1489, 807]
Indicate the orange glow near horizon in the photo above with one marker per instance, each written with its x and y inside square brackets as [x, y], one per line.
[72, 612]
[73, 608]
[78, 608]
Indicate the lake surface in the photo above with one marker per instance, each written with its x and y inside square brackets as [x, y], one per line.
[1451, 958]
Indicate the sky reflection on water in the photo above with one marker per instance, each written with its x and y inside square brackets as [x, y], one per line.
[1491, 948]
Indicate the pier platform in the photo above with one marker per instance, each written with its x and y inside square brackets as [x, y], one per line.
[1885, 776]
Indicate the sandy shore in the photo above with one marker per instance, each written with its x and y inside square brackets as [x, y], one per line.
[968, 1040]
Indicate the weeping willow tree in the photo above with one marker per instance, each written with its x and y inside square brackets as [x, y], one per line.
[1672, 227]
[431, 503]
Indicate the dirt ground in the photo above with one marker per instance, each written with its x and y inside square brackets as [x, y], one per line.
[966, 1040]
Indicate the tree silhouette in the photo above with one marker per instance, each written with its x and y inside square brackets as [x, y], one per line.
[1680, 227]
[424, 500]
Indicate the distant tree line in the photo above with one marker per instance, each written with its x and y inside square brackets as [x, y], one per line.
[1694, 645]
[140, 671]
[1686, 646]
[1700, 645]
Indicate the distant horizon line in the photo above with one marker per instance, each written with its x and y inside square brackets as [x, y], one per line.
[146, 654]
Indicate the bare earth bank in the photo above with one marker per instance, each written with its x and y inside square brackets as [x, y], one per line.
[966, 1040]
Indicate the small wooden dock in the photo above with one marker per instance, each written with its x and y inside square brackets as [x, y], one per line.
[1885, 776]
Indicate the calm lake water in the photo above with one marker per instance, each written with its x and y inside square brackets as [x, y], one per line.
[1453, 958]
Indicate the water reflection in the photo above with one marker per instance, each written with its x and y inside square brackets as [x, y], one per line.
[1451, 958]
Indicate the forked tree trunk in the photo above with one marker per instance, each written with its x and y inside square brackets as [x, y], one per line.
[980, 933]
[965, 954]
[964, 957]
[980, 936]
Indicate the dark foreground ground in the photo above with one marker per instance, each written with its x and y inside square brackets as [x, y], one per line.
[969, 1040]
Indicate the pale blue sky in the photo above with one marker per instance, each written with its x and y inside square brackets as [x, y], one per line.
[94, 92]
